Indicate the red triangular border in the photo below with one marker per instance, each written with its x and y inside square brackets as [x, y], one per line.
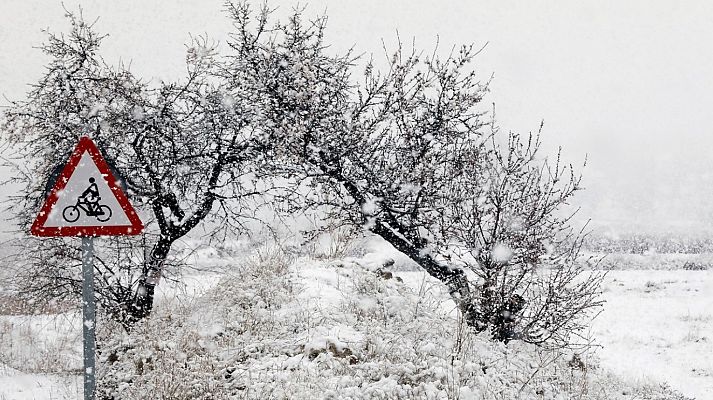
[86, 144]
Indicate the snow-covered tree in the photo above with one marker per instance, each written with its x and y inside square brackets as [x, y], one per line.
[409, 154]
[185, 149]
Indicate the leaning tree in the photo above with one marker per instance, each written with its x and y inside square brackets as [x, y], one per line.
[408, 153]
[185, 149]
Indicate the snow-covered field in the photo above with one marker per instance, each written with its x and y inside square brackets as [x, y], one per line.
[320, 328]
[658, 326]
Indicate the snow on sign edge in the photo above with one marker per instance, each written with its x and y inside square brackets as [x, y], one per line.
[87, 145]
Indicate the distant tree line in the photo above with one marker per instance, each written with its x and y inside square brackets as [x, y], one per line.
[645, 243]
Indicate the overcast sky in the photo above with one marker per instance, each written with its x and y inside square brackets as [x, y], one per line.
[627, 83]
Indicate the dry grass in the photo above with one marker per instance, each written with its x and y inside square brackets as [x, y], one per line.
[11, 304]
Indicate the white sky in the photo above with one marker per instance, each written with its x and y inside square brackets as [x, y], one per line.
[628, 83]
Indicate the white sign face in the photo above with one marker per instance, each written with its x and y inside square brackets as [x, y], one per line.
[86, 200]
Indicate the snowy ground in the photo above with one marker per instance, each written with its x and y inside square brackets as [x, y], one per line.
[15, 384]
[40, 356]
[657, 326]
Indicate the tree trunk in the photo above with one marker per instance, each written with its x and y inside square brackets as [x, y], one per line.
[454, 278]
[151, 274]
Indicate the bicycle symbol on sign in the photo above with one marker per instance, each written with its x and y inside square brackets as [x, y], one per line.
[89, 203]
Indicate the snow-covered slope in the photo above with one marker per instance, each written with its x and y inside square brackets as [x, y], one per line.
[293, 327]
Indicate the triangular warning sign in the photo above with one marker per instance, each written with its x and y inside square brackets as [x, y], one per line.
[86, 200]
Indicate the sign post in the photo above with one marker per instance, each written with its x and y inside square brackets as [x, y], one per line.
[88, 317]
[87, 201]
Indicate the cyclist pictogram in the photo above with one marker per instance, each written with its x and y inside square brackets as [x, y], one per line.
[88, 202]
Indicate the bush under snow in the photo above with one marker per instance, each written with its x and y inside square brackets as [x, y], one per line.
[293, 327]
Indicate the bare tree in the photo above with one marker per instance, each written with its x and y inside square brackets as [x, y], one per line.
[185, 149]
[409, 155]
[512, 232]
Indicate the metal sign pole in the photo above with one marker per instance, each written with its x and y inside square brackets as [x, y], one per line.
[88, 316]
